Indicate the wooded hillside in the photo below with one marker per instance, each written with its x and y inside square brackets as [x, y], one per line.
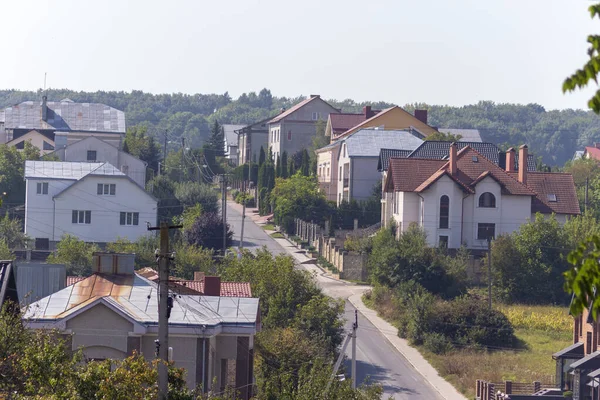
[554, 135]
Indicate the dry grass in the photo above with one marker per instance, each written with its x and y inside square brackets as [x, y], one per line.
[542, 331]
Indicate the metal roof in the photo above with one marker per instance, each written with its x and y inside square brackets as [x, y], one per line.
[230, 134]
[386, 154]
[439, 150]
[369, 142]
[65, 116]
[466, 135]
[137, 298]
[68, 170]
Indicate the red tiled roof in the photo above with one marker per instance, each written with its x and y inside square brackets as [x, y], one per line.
[342, 122]
[71, 280]
[228, 289]
[416, 175]
[593, 152]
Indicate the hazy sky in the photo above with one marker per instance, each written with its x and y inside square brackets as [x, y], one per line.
[439, 51]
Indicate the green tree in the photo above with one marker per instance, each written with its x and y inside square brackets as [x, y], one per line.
[75, 254]
[580, 78]
[278, 167]
[284, 165]
[318, 141]
[298, 197]
[163, 189]
[305, 166]
[5, 252]
[261, 156]
[140, 144]
[216, 142]
[444, 137]
[190, 259]
[207, 232]
[11, 231]
[191, 193]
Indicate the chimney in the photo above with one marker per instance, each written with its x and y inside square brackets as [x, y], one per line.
[314, 95]
[453, 169]
[510, 160]
[523, 164]
[597, 145]
[44, 108]
[421, 115]
[502, 159]
[212, 286]
[198, 276]
[367, 112]
[113, 263]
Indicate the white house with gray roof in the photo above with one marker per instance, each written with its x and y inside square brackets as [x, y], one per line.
[230, 138]
[62, 122]
[93, 201]
[359, 155]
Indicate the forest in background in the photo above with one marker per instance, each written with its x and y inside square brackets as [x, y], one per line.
[552, 134]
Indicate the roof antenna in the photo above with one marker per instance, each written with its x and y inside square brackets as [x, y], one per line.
[45, 74]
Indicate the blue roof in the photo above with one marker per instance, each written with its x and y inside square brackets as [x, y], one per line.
[369, 142]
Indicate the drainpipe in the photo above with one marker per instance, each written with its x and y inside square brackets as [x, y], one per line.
[350, 181]
[203, 359]
[422, 209]
[53, 217]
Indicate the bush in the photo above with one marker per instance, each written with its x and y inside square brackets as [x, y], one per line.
[207, 232]
[437, 343]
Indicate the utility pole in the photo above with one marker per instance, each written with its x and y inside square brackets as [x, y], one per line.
[164, 152]
[489, 262]
[182, 161]
[224, 210]
[587, 185]
[243, 215]
[164, 305]
[354, 329]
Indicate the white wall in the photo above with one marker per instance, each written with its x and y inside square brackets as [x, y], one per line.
[363, 176]
[105, 210]
[39, 221]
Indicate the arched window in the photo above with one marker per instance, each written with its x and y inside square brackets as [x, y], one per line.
[444, 211]
[487, 200]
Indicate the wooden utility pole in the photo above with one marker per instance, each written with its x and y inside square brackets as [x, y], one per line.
[164, 303]
[354, 329]
[243, 214]
[224, 210]
[587, 185]
[164, 153]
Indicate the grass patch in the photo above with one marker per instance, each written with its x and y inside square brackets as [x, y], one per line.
[277, 235]
[541, 330]
[269, 227]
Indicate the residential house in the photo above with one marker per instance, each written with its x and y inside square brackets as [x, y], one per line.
[358, 157]
[327, 172]
[114, 312]
[393, 118]
[231, 142]
[466, 135]
[592, 152]
[250, 139]
[95, 150]
[467, 199]
[44, 141]
[93, 201]
[339, 123]
[61, 122]
[8, 284]
[293, 129]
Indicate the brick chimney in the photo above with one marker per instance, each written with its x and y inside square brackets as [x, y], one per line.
[523, 164]
[113, 263]
[198, 276]
[212, 286]
[367, 112]
[453, 168]
[44, 108]
[421, 115]
[510, 160]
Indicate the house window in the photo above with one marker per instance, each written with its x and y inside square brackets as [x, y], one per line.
[444, 211]
[20, 145]
[588, 343]
[487, 200]
[107, 189]
[340, 177]
[328, 172]
[315, 116]
[129, 218]
[443, 242]
[42, 188]
[486, 231]
[125, 169]
[47, 146]
[81, 217]
[91, 155]
[289, 135]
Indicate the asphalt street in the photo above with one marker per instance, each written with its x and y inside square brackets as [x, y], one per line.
[377, 360]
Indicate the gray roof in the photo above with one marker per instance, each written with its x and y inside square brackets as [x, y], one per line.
[136, 297]
[578, 154]
[369, 142]
[65, 116]
[68, 170]
[439, 150]
[466, 135]
[386, 154]
[230, 134]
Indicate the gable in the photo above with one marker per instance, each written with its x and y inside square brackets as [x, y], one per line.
[393, 118]
[99, 317]
[118, 179]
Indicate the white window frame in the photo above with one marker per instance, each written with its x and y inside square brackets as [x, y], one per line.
[42, 188]
[108, 189]
[129, 218]
[81, 217]
[315, 116]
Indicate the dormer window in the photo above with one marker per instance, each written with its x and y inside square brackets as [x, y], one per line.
[487, 200]
[552, 197]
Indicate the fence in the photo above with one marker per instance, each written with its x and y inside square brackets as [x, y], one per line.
[514, 390]
[307, 231]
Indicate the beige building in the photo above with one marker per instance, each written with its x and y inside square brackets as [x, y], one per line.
[43, 142]
[114, 312]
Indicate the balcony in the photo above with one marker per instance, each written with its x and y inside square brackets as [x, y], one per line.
[346, 182]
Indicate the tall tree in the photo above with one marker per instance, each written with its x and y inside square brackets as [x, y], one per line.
[305, 166]
[216, 142]
[278, 167]
[140, 144]
[284, 165]
[318, 141]
[261, 157]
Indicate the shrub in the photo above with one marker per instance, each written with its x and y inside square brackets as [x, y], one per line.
[437, 343]
[207, 232]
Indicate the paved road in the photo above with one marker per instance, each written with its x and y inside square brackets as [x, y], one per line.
[376, 358]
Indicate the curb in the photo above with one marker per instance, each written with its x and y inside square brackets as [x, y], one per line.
[412, 355]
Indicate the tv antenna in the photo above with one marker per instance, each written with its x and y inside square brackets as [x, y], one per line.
[45, 74]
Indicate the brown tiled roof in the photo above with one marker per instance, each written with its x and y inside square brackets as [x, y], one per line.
[293, 109]
[342, 122]
[552, 183]
[593, 152]
[71, 280]
[416, 175]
